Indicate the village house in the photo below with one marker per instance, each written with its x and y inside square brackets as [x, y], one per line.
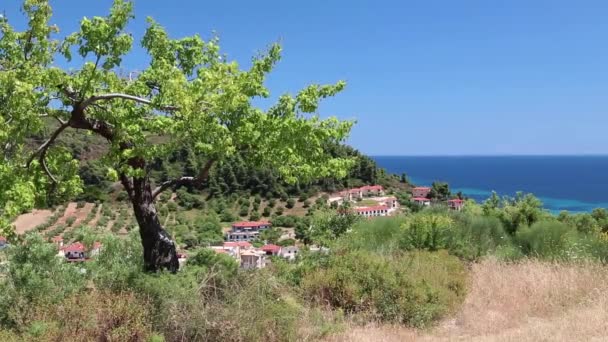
[252, 259]
[3, 242]
[421, 191]
[232, 248]
[456, 204]
[421, 201]
[246, 230]
[77, 251]
[378, 210]
[289, 253]
[391, 202]
[271, 249]
[358, 193]
[182, 257]
[372, 190]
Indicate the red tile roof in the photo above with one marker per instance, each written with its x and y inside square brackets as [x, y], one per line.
[251, 224]
[75, 247]
[376, 207]
[455, 200]
[271, 248]
[79, 247]
[237, 244]
[422, 188]
[372, 187]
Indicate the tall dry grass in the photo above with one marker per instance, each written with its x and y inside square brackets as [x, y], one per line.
[525, 301]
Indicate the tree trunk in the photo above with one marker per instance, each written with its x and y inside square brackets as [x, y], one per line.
[159, 248]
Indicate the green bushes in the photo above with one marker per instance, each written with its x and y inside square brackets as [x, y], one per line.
[551, 240]
[290, 203]
[413, 288]
[474, 237]
[35, 278]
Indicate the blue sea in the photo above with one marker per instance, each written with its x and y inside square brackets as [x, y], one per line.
[573, 183]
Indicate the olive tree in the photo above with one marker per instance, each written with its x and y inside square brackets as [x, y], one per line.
[188, 94]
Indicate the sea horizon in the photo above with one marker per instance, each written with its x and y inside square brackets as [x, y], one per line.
[575, 183]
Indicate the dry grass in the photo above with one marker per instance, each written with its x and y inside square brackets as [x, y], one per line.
[525, 301]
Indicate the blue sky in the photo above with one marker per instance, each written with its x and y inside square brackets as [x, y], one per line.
[424, 77]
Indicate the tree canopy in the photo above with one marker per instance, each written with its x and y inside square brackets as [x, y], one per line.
[189, 94]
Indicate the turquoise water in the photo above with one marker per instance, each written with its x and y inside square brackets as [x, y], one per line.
[573, 183]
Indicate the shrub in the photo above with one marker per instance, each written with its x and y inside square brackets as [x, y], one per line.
[70, 221]
[306, 204]
[244, 211]
[34, 277]
[266, 212]
[290, 203]
[80, 204]
[279, 211]
[172, 206]
[551, 240]
[303, 197]
[227, 216]
[254, 216]
[478, 236]
[428, 231]
[414, 288]
[272, 202]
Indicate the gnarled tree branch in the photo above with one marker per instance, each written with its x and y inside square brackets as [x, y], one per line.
[202, 175]
[41, 151]
[112, 96]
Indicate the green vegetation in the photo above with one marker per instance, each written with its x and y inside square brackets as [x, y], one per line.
[188, 97]
[410, 269]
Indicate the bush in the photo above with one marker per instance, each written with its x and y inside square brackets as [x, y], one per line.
[290, 203]
[478, 236]
[306, 204]
[279, 211]
[551, 240]
[254, 216]
[172, 206]
[429, 231]
[70, 221]
[272, 202]
[303, 197]
[414, 288]
[266, 212]
[80, 204]
[244, 211]
[35, 277]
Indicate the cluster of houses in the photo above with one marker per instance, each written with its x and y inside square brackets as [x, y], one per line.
[250, 257]
[386, 205]
[364, 191]
[420, 196]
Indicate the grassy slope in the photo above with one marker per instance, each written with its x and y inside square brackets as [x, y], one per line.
[524, 301]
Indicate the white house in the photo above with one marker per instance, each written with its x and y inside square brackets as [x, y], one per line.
[378, 210]
[289, 253]
[421, 201]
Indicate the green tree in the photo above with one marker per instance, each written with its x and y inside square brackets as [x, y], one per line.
[440, 191]
[271, 235]
[189, 94]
